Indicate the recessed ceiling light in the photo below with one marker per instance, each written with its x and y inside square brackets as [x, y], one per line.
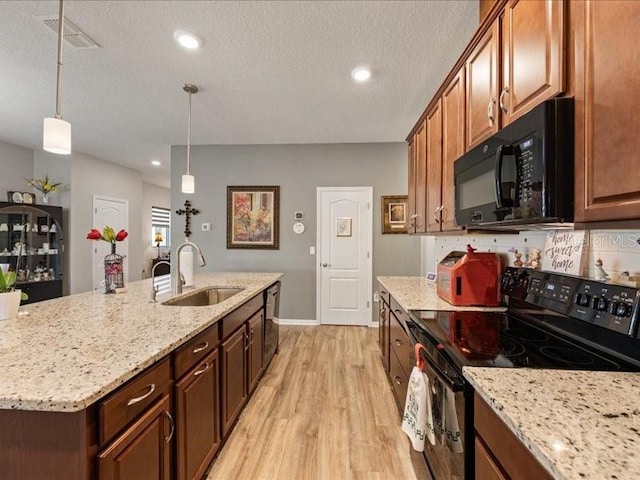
[361, 74]
[156, 163]
[186, 39]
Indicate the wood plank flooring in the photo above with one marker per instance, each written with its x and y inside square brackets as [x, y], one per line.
[323, 410]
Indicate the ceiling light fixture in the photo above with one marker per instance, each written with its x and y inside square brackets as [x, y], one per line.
[156, 163]
[56, 133]
[186, 39]
[361, 74]
[188, 180]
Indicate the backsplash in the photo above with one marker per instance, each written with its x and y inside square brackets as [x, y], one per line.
[619, 250]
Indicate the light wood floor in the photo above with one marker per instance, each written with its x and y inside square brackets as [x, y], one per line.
[323, 410]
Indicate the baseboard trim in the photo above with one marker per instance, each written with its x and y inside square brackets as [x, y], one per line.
[295, 321]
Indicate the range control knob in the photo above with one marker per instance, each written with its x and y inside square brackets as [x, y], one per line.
[583, 299]
[602, 304]
[621, 309]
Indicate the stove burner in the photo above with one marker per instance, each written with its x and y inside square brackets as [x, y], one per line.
[567, 355]
[527, 334]
[510, 348]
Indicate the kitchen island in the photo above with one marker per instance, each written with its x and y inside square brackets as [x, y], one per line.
[61, 358]
[578, 425]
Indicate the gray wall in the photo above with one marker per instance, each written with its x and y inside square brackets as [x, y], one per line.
[152, 196]
[16, 167]
[298, 170]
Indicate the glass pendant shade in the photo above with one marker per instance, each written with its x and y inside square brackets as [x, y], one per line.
[188, 184]
[56, 136]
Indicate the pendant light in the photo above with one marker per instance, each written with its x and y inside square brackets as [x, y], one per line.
[188, 180]
[56, 133]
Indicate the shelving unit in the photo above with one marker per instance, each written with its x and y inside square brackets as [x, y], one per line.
[31, 243]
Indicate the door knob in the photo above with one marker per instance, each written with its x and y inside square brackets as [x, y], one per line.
[326, 265]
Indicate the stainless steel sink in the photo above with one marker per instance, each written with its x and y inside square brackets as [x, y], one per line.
[203, 298]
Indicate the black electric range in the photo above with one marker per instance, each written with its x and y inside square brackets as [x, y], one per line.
[551, 321]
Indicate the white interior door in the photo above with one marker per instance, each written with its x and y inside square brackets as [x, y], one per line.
[345, 227]
[115, 213]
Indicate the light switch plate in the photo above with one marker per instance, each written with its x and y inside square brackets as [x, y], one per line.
[206, 227]
[312, 250]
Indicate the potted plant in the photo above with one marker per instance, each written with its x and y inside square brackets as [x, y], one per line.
[45, 186]
[9, 297]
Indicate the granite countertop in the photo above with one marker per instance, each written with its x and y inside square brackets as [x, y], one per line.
[415, 293]
[578, 425]
[66, 353]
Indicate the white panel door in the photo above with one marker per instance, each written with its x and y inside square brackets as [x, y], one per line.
[344, 255]
[115, 213]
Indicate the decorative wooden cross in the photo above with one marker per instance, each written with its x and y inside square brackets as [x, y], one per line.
[188, 211]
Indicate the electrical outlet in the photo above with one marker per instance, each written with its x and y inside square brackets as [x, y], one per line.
[206, 227]
[376, 297]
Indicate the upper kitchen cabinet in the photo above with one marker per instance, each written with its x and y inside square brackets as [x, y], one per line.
[533, 45]
[434, 166]
[517, 64]
[607, 93]
[417, 180]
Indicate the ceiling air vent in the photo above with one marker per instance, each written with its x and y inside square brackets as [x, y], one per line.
[72, 34]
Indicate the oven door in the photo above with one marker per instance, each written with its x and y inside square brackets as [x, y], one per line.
[446, 458]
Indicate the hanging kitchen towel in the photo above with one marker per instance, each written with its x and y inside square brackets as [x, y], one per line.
[417, 421]
[452, 428]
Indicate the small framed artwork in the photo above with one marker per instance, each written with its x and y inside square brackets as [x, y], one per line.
[253, 217]
[394, 213]
[343, 227]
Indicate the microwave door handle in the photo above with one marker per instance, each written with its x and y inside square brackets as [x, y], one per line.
[500, 153]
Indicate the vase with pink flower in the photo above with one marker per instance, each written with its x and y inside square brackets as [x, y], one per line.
[113, 265]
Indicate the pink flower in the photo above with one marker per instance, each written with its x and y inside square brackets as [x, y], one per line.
[94, 234]
[121, 235]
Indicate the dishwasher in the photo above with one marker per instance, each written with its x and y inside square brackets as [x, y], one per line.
[272, 306]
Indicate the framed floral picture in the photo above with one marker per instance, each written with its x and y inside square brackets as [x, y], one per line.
[394, 213]
[253, 217]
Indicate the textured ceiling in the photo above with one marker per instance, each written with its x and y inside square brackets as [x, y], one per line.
[268, 72]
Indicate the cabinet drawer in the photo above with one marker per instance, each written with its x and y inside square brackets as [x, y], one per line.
[126, 403]
[384, 294]
[398, 381]
[400, 344]
[231, 322]
[196, 349]
[401, 315]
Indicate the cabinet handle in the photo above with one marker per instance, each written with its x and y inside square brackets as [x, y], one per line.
[200, 347]
[490, 114]
[252, 334]
[173, 427]
[383, 292]
[204, 368]
[135, 400]
[398, 342]
[503, 107]
[435, 213]
[246, 341]
[383, 312]
[397, 379]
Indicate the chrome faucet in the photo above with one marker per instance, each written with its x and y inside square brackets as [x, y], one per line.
[177, 276]
[154, 289]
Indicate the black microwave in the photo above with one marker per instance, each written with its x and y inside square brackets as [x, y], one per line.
[521, 175]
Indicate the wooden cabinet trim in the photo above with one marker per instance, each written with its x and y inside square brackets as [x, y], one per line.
[234, 378]
[255, 326]
[434, 166]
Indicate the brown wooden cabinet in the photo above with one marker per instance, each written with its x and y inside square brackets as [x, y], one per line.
[417, 181]
[499, 455]
[383, 327]
[607, 95]
[142, 451]
[234, 377]
[255, 327]
[401, 360]
[434, 166]
[197, 418]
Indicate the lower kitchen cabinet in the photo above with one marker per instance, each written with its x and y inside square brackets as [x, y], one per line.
[383, 329]
[197, 418]
[256, 350]
[499, 455]
[234, 377]
[142, 451]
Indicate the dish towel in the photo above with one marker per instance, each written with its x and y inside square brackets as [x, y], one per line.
[452, 428]
[417, 421]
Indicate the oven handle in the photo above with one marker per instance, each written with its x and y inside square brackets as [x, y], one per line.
[500, 153]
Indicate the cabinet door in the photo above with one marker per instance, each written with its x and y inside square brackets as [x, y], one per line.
[533, 55]
[197, 418]
[256, 349]
[607, 105]
[482, 88]
[421, 178]
[143, 451]
[411, 201]
[234, 377]
[434, 167]
[453, 111]
[383, 334]
[486, 467]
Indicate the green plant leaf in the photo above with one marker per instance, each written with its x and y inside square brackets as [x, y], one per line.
[7, 281]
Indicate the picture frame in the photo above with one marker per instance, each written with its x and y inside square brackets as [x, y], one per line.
[343, 227]
[394, 213]
[253, 217]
